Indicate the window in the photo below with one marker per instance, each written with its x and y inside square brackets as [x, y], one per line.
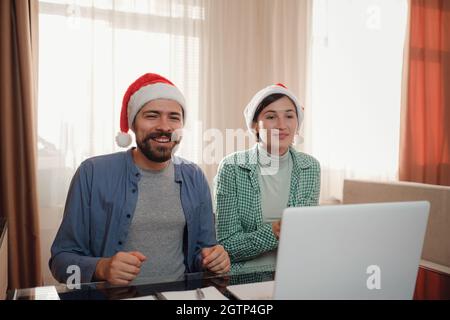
[357, 59]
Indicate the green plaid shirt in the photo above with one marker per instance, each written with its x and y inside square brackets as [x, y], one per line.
[239, 220]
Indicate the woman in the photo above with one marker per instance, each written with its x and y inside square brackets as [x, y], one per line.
[253, 187]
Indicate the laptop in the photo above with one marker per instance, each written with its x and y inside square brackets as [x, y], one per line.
[358, 251]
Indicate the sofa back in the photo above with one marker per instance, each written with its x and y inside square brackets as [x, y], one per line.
[437, 238]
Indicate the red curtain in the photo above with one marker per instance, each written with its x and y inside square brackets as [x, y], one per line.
[425, 145]
[425, 139]
[432, 285]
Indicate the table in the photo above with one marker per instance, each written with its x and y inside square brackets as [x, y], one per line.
[149, 286]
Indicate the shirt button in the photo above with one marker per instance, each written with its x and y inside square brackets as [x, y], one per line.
[120, 243]
[134, 190]
[128, 216]
[138, 174]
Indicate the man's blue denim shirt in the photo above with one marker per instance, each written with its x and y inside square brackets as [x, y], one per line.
[100, 206]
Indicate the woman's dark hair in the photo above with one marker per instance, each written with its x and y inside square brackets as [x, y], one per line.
[268, 100]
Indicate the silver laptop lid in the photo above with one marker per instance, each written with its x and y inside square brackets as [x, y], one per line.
[362, 251]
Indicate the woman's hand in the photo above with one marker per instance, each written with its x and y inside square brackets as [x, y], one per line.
[276, 227]
[216, 259]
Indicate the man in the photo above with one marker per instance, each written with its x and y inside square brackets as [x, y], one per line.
[144, 212]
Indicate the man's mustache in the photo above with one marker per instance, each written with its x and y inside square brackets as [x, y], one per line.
[173, 136]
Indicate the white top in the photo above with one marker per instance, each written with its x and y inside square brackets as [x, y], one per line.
[274, 175]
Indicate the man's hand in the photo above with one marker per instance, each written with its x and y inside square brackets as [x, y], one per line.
[276, 227]
[120, 269]
[216, 259]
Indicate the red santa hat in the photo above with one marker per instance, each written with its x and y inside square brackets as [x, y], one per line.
[280, 88]
[146, 88]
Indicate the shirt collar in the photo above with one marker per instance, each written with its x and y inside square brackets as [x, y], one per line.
[177, 161]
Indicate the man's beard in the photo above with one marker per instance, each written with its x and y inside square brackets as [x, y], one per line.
[157, 154]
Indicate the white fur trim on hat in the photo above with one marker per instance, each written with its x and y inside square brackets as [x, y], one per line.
[250, 110]
[123, 139]
[153, 92]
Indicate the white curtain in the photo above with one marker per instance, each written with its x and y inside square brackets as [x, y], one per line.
[247, 45]
[355, 98]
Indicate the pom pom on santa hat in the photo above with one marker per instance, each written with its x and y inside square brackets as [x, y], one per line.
[146, 88]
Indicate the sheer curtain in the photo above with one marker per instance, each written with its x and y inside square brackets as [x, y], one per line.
[357, 57]
[90, 51]
[247, 45]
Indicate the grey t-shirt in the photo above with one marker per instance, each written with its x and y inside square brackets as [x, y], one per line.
[158, 226]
